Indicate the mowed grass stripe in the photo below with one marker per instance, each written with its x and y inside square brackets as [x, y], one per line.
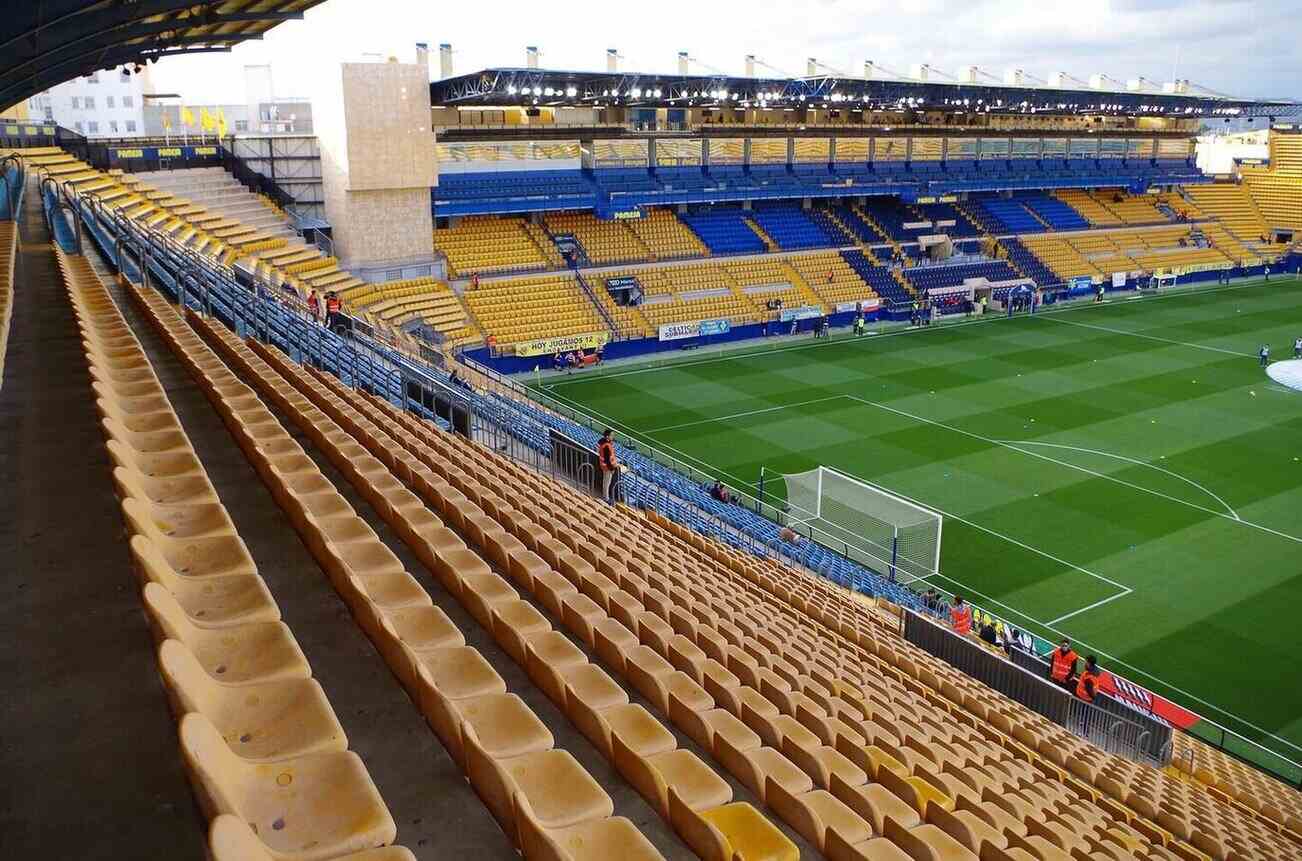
[1197, 577]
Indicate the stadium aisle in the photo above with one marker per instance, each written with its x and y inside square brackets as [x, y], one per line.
[422, 786]
[89, 747]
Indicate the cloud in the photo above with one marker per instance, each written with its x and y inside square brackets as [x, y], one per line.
[1245, 47]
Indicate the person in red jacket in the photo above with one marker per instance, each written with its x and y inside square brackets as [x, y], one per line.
[314, 306]
[1087, 687]
[1062, 664]
[609, 464]
[960, 616]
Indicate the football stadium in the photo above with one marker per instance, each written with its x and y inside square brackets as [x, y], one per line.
[632, 464]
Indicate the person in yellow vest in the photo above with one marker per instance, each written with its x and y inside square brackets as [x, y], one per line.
[1062, 664]
[1087, 685]
[960, 616]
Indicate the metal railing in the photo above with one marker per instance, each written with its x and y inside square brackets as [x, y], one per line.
[1109, 731]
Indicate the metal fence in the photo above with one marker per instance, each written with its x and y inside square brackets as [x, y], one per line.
[1145, 741]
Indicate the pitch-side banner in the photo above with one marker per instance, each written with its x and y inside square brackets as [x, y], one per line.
[804, 312]
[1118, 279]
[565, 344]
[696, 329]
[861, 305]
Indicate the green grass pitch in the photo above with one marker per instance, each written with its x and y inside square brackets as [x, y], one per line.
[1124, 474]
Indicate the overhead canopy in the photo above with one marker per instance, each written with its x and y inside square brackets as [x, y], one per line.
[547, 87]
[47, 42]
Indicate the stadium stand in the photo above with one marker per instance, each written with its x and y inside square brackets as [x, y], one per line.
[927, 277]
[878, 277]
[724, 230]
[857, 745]
[488, 245]
[603, 242]
[425, 300]
[1132, 208]
[683, 293]
[665, 236]
[829, 275]
[1277, 189]
[1005, 215]
[764, 280]
[940, 213]
[1053, 212]
[217, 623]
[790, 228]
[531, 307]
[856, 223]
[1028, 264]
[1233, 206]
[1088, 206]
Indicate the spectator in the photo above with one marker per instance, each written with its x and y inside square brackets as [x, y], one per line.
[333, 307]
[960, 616]
[1087, 687]
[314, 306]
[558, 362]
[474, 282]
[609, 464]
[988, 633]
[720, 492]
[789, 535]
[1062, 664]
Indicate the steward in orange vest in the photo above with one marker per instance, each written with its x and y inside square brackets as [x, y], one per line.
[1087, 687]
[1064, 663]
[960, 616]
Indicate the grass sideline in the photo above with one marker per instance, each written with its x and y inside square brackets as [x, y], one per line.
[1122, 473]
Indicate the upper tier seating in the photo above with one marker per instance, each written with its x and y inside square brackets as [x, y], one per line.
[791, 228]
[724, 231]
[937, 213]
[603, 241]
[486, 244]
[666, 236]
[501, 187]
[1055, 213]
[892, 214]
[1277, 188]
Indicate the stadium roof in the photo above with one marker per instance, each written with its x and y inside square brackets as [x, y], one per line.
[47, 42]
[546, 87]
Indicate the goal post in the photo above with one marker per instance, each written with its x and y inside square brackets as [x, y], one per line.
[876, 528]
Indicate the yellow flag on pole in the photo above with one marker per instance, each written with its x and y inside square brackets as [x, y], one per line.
[206, 120]
[187, 116]
[221, 123]
[167, 122]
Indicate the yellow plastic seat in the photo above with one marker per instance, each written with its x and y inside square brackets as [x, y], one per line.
[558, 789]
[215, 600]
[276, 720]
[235, 655]
[732, 832]
[599, 840]
[309, 808]
[231, 839]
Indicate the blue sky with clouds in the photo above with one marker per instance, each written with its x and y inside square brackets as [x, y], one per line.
[1242, 47]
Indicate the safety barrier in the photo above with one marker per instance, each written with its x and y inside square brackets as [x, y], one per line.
[1143, 742]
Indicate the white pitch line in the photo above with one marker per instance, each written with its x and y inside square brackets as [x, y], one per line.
[1087, 471]
[1066, 616]
[813, 343]
[1133, 460]
[739, 482]
[741, 415]
[1152, 338]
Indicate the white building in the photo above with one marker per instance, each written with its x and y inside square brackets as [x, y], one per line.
[107, 103]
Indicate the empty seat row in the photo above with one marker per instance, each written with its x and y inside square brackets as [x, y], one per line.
[544, 800]
[636, 743]
[8, 256]
[249, 710]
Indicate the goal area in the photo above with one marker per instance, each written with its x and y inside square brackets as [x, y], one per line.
[874, 527]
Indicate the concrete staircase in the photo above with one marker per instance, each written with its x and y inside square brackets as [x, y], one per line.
[217, 191]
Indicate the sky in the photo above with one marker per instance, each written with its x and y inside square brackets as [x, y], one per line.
[1239, 47]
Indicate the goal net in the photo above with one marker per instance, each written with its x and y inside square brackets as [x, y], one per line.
[872, 526]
